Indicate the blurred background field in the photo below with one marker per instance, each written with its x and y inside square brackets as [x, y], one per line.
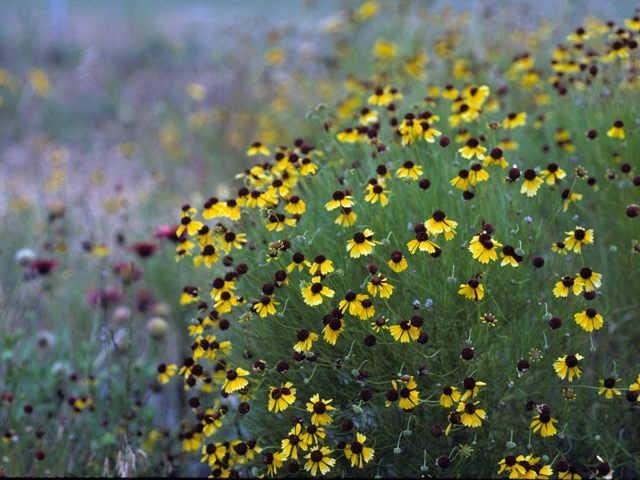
[112, 115]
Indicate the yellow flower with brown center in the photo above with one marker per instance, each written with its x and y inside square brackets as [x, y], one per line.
[553, 174]
[568, 365]
[312, 294]
[495, 157]
[617, 131]
[440, 224]
[471, 148]
[544, 423]
[362, 244]
[589, 279]
[305, 340]
[568, 196]
[281, 398]
[449, 396]
[483, 248]
[531, 182]
[462, 180]
[339, 200]
[266, 306]
[291, 444]
[376, 192]
[589, 320]
[473, 290]
[166, 371]
[609, 387]
[409, 169]
[357, 452]
[566, 285]
[471, 387]
[319, 408]
[422, 241]
[577, 238]
[378, 284]
[319, 460]
[397, 263]
[470, 415]
[514, 120]
[234, 381]
[346, 218]
[257, 148]
[404, 332]
[295, 206]
[332, 329]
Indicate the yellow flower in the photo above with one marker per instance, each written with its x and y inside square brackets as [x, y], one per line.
[408, 393]
[589, 279]
[230, 210]
[489, 319]
[409, 169]
[266, 306]
[357, 452]
[319, 408]
[234, 381]
[281, 398]
[384, 50]
[564, 286]
[313, 293]
[449, 396]
[462, 180]
[213, 452]
[353, 302]
[295, 206]
[166, 371]
[376, 192]
[307, 167]
[346, 218]
[422, 242]
[298, 261]
[609, 387]
[568, 365]
[273, 461]
[378, 284]
[514, 120]
[472, 148]
[531, 182]
[292, 442]
[277, 221]
[319, 460]
[362, 244]
[472, 416]
[484, 248]
[305, 341]
[589, 320]
[473, 290]
[339, 200]
[617, 131]
[404, 332]
[553, 174]
[449, 92]
[379, 324]
[397, 263]
[568, 196]
[495, 157]
[257, 148]
[439, 224]
[321, 263]
[578, 237]
[332, 329]
[544, 423]
[471, 387]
